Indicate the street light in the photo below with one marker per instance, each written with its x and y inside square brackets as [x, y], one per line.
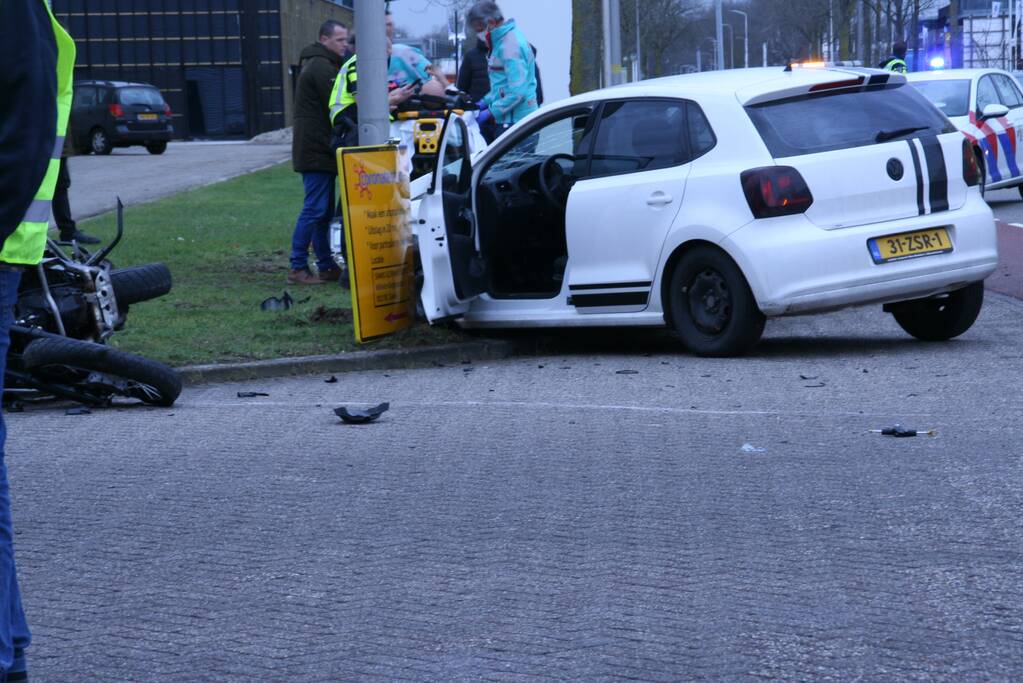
[745, 39]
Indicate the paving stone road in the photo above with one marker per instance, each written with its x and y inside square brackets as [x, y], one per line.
[547, 518]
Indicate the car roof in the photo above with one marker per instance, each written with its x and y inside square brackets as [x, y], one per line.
[951, 74]
[745, 84]
[117, 84]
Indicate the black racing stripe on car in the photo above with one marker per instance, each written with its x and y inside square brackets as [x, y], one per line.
[937, 173]
[610, 285]
[620, 299]
[919, 177]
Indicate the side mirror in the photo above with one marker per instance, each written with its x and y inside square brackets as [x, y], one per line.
[994, 111]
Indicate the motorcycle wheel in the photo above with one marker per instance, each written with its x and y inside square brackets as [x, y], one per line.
[140, 283]
[101, 371]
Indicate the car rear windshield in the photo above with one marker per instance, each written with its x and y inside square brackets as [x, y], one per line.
[843, 119]
[150, 96]
[951, 97]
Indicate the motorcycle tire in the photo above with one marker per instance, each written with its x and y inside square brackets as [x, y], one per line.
[140, 283]
[73, 361]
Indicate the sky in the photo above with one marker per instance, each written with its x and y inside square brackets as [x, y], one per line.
[546, 23]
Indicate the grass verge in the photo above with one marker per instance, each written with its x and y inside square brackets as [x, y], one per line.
[227, 247]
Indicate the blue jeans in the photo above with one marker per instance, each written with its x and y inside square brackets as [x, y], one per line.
[14, 634]
[313, 224]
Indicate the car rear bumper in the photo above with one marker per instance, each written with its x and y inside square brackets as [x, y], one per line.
[795, 267]
[123, 133]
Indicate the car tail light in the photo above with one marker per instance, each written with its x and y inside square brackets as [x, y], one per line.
[116, 110]
[775, 191]
[971, 169]
[166, 109]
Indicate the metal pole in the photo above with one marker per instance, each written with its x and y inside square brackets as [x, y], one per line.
[372, 68]
[860, 47]
[606, 13]
[639, 60]
[731, 46]
[719, 43]
[699, 66]
[765, 54]
[745, 38]
[616, 42]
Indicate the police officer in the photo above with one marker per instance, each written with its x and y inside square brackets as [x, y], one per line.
[37, 61]
[897, 62]
[511, 67]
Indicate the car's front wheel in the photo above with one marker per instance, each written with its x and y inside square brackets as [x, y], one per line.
[711, 305]
[942, 317]
[100, 142]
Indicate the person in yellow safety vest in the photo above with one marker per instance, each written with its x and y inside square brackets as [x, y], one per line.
[344, 106]
[37, 61]
[897, 62]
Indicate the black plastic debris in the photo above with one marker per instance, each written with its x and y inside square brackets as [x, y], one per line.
[251, 394]
[331, 380]
[815, 386]
[356, 416]
[627, 372]
[274, 303]
[78, 410]
[808, 377]
[898, 430]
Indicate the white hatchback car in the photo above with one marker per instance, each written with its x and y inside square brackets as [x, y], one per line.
[987, 106]
[708, 202]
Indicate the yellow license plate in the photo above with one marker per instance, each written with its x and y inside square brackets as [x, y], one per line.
[147, 117]
[905, 245]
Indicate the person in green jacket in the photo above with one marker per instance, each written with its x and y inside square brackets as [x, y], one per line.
[37, 62]
[897, 62]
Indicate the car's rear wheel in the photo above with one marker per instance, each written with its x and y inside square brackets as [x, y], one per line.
[711, 305]
[158, 147]
[942, 317]
[99, 141]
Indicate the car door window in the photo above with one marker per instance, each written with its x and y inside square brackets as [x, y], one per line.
[1008, 93]
[986, 93]
[640, 135]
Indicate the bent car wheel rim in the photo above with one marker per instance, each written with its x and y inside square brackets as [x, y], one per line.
[710, 302]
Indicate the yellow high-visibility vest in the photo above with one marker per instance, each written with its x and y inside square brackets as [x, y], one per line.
[25, 245]
[343, 94]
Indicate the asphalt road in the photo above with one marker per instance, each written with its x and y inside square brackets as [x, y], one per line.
[588, 515]
[138, 176]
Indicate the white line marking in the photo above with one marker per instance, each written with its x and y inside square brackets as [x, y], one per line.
[1015, 225]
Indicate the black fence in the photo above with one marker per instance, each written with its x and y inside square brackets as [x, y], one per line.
[217, 62]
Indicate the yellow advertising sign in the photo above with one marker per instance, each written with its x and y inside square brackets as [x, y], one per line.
[375, 207]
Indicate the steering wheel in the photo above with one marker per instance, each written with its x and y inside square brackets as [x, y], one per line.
[551, 186]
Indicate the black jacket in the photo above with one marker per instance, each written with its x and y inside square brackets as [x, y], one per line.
[474, 77]
[28, 106]
[310, 144]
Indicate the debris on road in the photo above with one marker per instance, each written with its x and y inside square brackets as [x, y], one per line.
[900, 431]
[750, 448]
[78, 410]
[627, 372]
[274, 303]
[331, 380]
[251, 394]
[808, 377]
[356, 416]
[815, 386]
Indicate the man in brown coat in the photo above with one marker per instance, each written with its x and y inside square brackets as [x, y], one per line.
[311, 156]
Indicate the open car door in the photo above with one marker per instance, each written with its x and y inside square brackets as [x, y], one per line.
[453, 273]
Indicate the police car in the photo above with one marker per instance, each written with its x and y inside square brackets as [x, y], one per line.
[708, 203]
[987, 106]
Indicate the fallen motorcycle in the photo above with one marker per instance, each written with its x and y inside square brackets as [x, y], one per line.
[68, 307]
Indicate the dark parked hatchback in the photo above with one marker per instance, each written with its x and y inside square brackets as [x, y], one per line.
[108, 114]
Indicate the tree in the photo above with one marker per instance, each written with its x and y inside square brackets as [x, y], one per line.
[587, 34]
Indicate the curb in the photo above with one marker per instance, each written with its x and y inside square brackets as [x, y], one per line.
[355, 361]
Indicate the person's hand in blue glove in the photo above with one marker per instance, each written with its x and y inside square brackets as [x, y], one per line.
[483, 116]
[482, 105]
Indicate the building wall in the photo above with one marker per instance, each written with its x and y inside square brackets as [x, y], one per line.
[300, 25]
[217, 62]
